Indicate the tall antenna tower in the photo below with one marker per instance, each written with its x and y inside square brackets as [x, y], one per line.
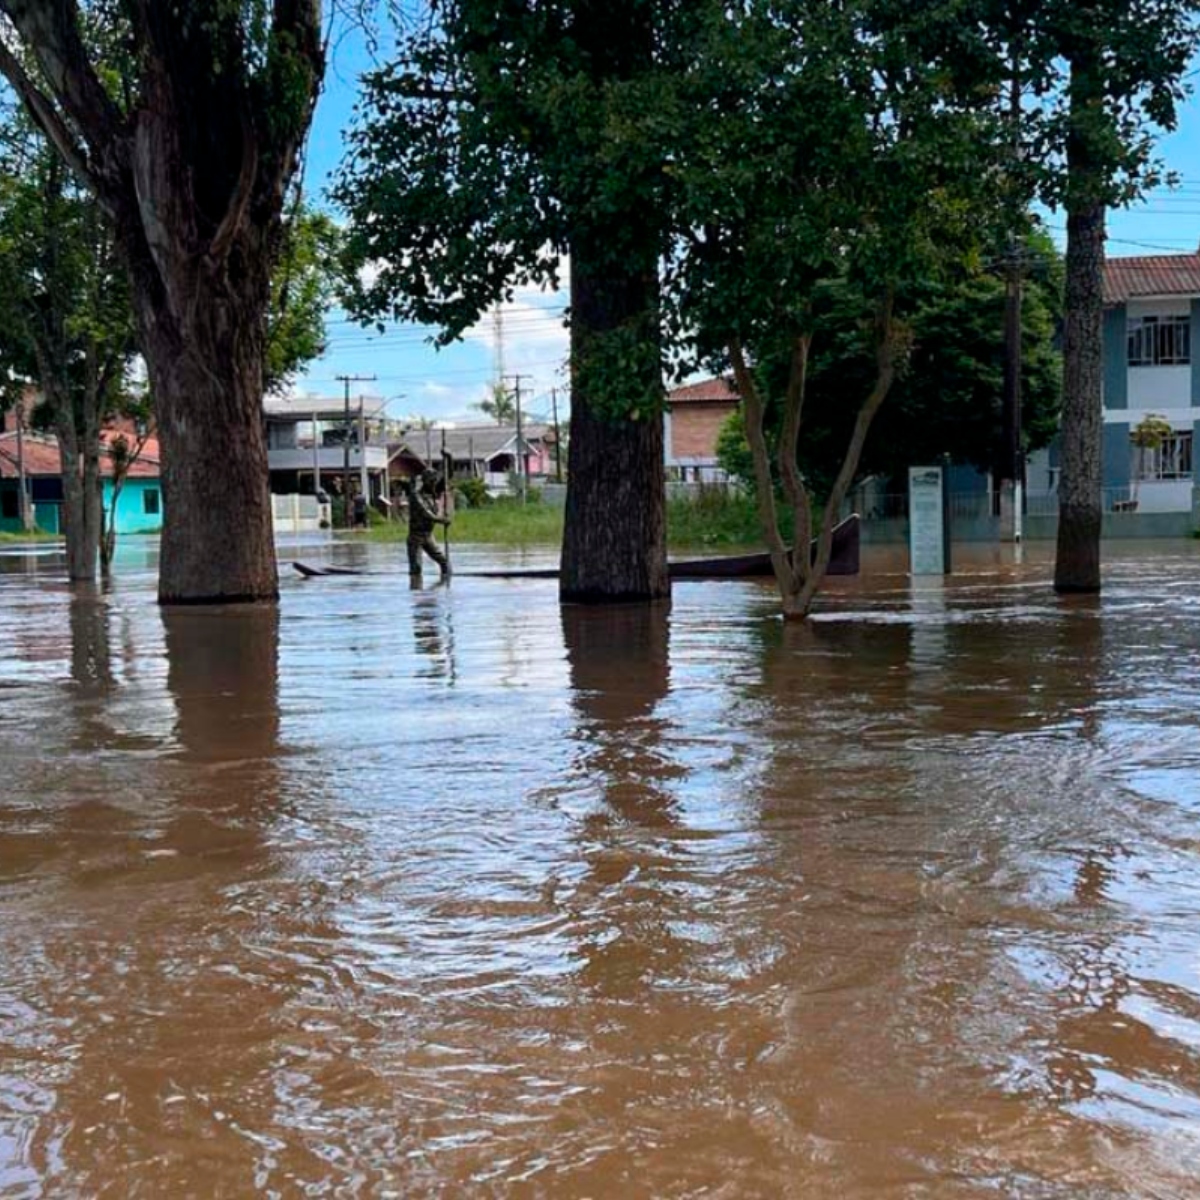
[498, 344]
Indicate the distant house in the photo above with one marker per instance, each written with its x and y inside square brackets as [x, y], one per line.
[308, 438]
[490, 453]
[139, 507]
[693, 420]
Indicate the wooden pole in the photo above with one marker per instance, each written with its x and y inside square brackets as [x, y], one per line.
[445, 499]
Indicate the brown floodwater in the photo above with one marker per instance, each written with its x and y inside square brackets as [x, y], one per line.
[454, 893]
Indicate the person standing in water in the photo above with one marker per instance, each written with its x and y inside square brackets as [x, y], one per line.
[423, 518]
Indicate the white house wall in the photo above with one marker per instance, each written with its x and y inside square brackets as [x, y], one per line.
[1166, 495]
[1152, 389]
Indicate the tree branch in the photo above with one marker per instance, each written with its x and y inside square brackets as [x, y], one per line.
[45, 116]
[752, 407]
[50, 29]
[885, 359]
[240, 200]
[789, 445]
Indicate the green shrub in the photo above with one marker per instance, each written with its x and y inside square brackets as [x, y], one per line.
[472, 493]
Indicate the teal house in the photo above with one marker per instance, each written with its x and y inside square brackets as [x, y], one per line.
[139, 506]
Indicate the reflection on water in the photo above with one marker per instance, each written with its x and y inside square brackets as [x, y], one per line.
[453, 892]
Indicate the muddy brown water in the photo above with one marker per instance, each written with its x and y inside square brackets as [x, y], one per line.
[452, 893]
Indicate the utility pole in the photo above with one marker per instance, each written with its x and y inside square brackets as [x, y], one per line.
[347, 513]
[522, 465]
[1011, 451]
[557, 436]
[364, 478]
[1012, 461]
[316, 436]
[498, 342]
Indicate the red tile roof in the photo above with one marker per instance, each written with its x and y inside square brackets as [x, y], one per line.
[42, 457]
[708, 391]
[40, 454]
[1151, 275]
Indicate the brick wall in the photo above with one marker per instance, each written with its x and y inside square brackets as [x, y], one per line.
[694, 428]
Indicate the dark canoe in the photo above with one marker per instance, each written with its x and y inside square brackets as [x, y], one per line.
[310, 572]
[843, 560]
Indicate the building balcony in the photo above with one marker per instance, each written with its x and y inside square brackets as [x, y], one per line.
[329, 458]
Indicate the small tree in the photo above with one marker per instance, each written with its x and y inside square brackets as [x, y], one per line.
[65, 315]
[121, 454]
[1149, 434]
[829, 159]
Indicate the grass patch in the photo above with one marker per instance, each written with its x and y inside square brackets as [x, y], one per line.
[501, 524]
[25, 539]
[713, 519]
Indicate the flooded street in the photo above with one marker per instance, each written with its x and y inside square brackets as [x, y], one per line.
[456, 893]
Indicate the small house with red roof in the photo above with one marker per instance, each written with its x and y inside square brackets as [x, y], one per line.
[139, 505]
[692, 424]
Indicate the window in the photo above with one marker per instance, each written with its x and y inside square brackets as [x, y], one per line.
[150, 502]
[1160, 341]
[9, 507]
[1171, 460]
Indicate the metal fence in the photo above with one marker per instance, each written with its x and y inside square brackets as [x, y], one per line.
[976, 506]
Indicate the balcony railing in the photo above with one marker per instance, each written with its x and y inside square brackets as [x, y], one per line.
[329, 458]
[974, 506]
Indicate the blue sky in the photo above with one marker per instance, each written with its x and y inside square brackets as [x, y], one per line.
[445, 384]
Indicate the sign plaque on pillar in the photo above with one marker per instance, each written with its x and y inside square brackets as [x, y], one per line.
[927, 521]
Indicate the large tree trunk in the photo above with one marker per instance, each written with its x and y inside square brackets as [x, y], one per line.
[615, 535]
[218, 538]
[1077, 567]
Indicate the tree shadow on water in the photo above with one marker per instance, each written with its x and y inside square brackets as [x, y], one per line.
[626, 907]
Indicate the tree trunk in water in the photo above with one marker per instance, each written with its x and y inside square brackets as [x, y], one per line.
[615, 534]
[1077, 567]
[218, 537]
[80, 506]
[93, 501]
[81, 533]
[72, 511]
[1080, 503]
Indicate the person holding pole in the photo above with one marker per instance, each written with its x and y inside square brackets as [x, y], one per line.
[423, 517]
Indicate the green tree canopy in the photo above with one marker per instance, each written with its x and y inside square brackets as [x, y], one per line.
[947, 400]
[304, 285]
